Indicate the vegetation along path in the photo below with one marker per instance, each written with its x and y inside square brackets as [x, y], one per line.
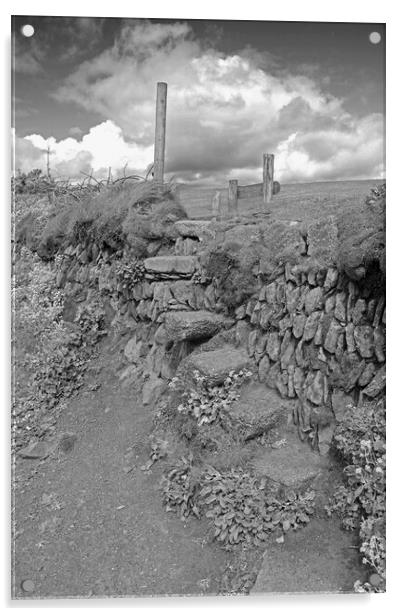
[90, 521]
[270, 358]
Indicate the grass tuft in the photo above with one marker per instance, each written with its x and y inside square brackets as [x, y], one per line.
[135, 209]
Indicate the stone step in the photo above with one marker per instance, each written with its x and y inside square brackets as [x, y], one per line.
[215, 365]
[315, 559]
[259, 410]
[185, 265]
[193, 325]
[199, 229]
[292, 465]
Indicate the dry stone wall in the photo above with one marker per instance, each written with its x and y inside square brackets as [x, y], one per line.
[312, 333]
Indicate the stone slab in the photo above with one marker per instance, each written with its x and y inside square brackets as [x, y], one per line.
[192, 325]
[171, 265]
[216, 365]
[318, 558]
[292, 465]
[201, 229]
[258, 410]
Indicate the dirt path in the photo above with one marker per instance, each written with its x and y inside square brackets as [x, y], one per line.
[88, 526]
[90, 522]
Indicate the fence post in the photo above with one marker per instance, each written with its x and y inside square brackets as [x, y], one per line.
[216, 205]
[160, 132]
[232, 197]
[267, 177]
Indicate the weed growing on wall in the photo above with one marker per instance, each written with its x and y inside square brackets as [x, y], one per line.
[128, 273]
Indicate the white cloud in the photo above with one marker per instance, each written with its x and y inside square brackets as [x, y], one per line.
[334, 153]
[224, 111]
[102, 147]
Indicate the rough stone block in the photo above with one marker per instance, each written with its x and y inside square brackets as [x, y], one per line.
[367, 374]
[273, 373]
[313, 300]
[263, 368]
[351, 368]
[350, 339]
[261, 344]
[330, 304]
[193, 325]
[379, 343]
[133, 349]
[340, 307]
[315, 387]
[216, 365]
[331, 278]
[240, 312]
[267, 311]
[311, 325]
[288, 352]
[331, 338]
[292, 298]
[359, 311]
[258, 410]
[377, 385]
[292, 465]
[200, 229]
[153, 388]
[379, 311]
[298, 380]
[171, 265]
[364, 339]
[340, 403]
[183, 291]
[299, 322]
[315, 560]
[273, 346]
[244, 235]
[242, 333]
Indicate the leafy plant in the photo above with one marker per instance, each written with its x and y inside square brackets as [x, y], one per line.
[179, 487]
[360, 440]
[208, 403]
[242, 508]
[128, 273]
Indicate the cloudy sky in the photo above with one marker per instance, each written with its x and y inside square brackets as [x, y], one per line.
[311, 93]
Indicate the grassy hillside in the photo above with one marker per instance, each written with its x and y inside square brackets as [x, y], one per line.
[307, 202]
[304, 202]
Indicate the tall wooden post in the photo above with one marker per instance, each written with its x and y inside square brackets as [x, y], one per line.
[267, 177]
[160, 132]
[232, 197]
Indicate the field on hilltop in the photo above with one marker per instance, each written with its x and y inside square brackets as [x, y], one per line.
[303, 202]
[314, 200]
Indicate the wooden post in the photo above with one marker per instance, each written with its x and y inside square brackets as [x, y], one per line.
[216, 205]
[160, 132]
[267, 177]
[232, 197]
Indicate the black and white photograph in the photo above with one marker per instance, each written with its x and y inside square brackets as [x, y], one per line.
[198, 307]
